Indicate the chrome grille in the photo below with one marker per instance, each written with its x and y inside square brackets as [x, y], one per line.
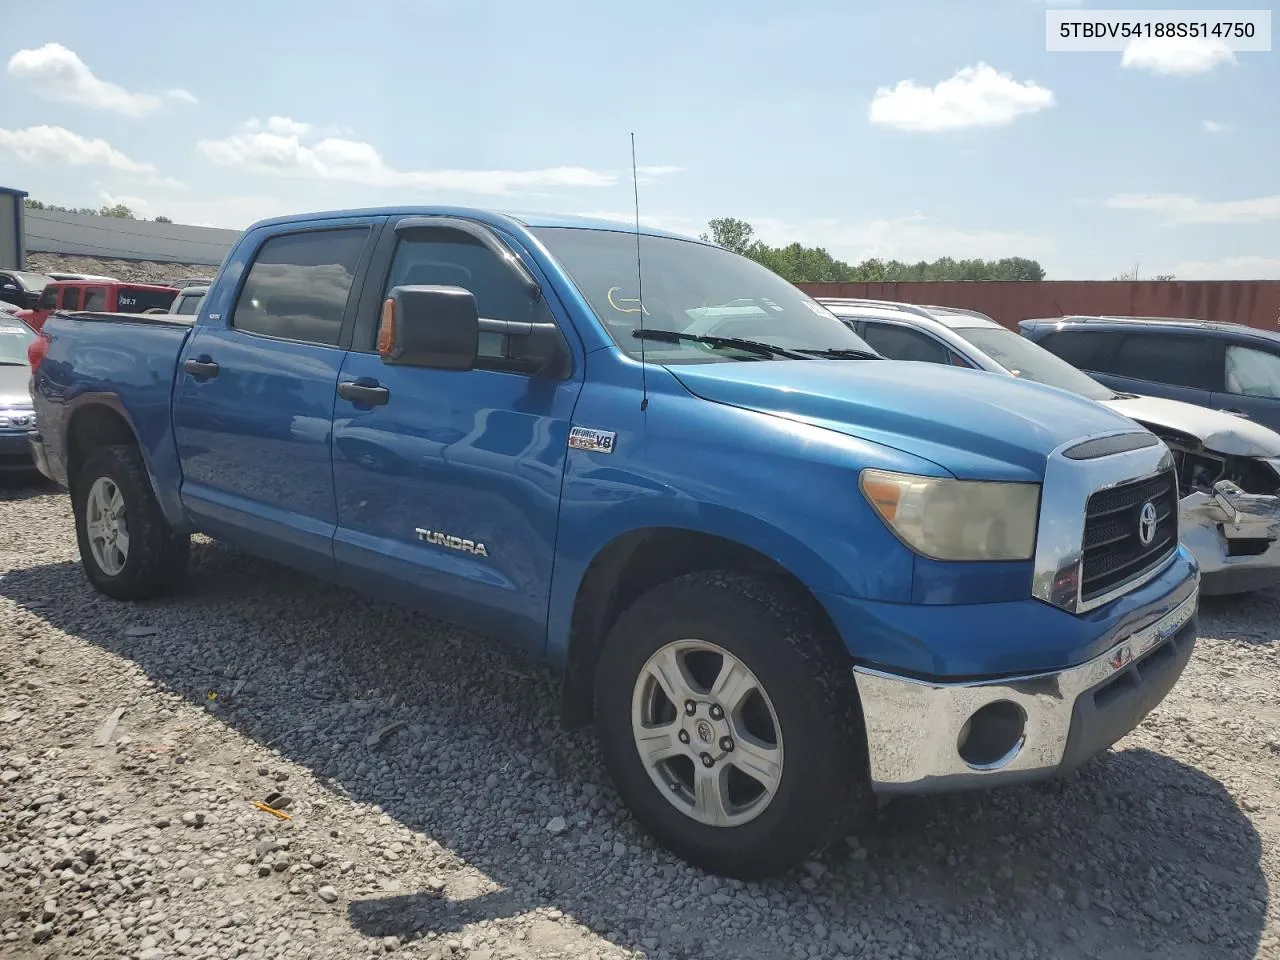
[1113, 550]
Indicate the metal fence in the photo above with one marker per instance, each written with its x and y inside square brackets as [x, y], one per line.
[1252, 302]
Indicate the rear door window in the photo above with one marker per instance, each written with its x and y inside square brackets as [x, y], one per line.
[1175, 359]
[298, 286]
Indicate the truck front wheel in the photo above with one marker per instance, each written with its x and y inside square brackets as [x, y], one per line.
[730, 725]
[126, 546]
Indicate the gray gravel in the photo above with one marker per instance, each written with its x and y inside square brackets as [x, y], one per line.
[478, 829]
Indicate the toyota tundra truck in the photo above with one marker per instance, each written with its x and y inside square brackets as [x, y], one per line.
[782, 576]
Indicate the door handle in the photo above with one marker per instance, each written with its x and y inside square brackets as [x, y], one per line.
[365, 390]
[202, 368]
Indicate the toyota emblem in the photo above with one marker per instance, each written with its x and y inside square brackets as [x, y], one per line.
[1147, 523]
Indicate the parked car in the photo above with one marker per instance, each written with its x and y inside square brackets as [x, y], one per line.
[21, 288]
[188, 300]
[99, 297]
[1228, 366]
[17, 417]
[1228, 468]
[783, 577]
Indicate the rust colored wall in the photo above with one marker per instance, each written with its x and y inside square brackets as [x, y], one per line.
[1252, 302]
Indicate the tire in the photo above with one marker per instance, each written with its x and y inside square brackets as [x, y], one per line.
[816, 758]
[156, 558]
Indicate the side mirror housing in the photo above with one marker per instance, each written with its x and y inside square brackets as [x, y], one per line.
[430, 326]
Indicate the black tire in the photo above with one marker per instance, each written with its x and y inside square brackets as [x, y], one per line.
[157, 557]
[825, 783]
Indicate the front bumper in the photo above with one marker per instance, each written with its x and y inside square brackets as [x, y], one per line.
[15, 453]
[919, 732]
[1235, 536]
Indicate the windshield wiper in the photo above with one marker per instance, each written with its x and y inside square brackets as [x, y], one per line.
[758, 347]
[852, 353]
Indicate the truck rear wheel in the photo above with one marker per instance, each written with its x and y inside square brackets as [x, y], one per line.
[126, 546]
[731, 725]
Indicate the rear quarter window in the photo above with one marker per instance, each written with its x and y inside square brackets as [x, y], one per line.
[1086, 349]
[139, 299]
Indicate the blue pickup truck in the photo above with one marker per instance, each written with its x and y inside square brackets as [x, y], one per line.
[781, 575]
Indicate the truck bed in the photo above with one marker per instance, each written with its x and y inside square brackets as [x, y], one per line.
[94, 316]
[128, 361]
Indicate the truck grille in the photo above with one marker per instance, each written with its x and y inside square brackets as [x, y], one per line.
[1113, 549]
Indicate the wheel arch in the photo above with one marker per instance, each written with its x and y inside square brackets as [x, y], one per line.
[98, 420]
[636, 561]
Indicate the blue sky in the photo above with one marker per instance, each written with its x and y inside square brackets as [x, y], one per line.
[893, 129]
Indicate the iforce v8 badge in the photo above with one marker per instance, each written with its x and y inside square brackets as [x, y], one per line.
[596, 441]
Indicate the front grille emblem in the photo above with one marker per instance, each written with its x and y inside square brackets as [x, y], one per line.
[1147, 523]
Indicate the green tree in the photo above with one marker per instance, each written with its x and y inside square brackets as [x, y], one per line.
[119, 210]
[730, 233]
[163, 220]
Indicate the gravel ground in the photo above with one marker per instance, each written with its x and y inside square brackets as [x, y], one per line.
[131, 271]
[478, 829]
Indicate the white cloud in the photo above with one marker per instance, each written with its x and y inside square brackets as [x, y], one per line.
[56, 144]
[57, 73]
[1213, 126]
[182, 96]
[1183, 209]
[975, 97]
[1176, 56]
[1229, 268]
[285, 126]
[279, 148]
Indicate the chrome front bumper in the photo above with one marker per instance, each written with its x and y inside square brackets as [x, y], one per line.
[915, 728]
[1234, 535]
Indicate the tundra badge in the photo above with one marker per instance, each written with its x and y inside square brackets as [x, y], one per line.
[596, 441]
[452, 542]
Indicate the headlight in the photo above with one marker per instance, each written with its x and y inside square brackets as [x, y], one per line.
[956, 519]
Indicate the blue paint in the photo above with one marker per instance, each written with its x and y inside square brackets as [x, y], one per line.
[764, 454]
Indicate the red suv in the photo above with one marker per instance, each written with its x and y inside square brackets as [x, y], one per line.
[100, 297]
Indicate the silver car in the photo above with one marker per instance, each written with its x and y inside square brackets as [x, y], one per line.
[1228, 466]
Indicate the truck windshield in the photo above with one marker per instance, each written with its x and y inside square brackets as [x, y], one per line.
[693, 289]
[1030, 361]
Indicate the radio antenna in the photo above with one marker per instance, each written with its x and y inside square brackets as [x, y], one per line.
[635, 186]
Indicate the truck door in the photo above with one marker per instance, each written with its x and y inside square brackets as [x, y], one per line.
[448, 482]
[254, 395]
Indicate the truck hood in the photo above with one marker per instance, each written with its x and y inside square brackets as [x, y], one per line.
[976, 425]
[1220, 432]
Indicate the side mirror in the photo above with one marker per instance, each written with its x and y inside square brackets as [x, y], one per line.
[430, 326]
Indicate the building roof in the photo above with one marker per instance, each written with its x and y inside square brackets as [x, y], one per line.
[48, 231]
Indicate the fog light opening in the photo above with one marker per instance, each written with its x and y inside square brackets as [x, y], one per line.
[993, 735]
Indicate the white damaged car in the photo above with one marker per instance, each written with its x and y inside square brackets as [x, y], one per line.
[1228, 466]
